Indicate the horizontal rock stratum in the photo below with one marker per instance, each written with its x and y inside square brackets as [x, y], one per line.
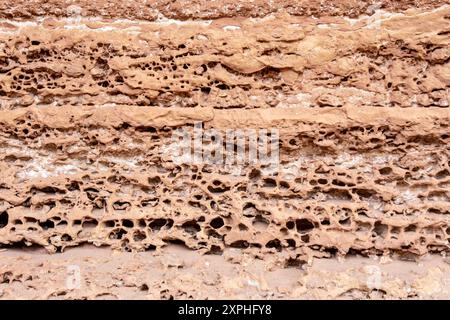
[93, 92]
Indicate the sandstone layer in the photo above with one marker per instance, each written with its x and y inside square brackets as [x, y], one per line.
[202, 9]
[177, 273]
[91, 95]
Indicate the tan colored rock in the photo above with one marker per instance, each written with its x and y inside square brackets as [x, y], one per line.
[92, 94]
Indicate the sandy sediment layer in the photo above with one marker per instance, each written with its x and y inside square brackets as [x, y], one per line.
[177, 273]
[202, 9]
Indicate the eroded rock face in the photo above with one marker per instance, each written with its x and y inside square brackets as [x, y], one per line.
[201, 9]
[363, 178]
[281, 61]
[90, 103]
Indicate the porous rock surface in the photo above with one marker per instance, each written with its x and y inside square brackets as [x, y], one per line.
[90, 95]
